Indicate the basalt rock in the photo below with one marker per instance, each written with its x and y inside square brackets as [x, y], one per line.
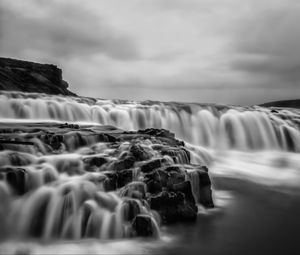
[143, 226]
[16, 177]
[151, 165]
[173, 207]
[110, 175]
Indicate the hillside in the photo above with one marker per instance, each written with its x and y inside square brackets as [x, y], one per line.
[18, 75]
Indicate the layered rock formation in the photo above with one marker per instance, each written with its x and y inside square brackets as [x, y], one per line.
[283, 103]
[18, 75]
[71, 181]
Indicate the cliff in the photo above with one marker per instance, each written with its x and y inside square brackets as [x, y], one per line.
[284, 103]
[19, 75]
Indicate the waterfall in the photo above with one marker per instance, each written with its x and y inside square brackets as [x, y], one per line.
[73, 185]
[210, 126]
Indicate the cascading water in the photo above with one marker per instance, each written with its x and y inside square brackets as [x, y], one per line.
[62, 187]
[212, 126]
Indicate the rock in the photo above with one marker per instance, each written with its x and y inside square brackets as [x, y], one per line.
[163, 135]
[179, 155]
[186, 188]
[107, 138]
[138, 166]
[27, 76]
[131, 209]
[125, 163]
[174, 178]
[203, 191]
[95, 161]
[124, 177]
[151, 165]
[176, 205]
[167, 204]
[142, 224]
[110, 183]
[16, 177]
[139, 152]
[135, 190]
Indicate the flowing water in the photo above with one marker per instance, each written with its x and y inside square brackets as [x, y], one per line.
[252, 154]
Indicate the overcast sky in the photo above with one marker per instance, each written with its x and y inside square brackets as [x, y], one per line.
[223, 51]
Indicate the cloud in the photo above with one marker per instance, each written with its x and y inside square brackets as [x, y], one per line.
[267, 44]
[61, 30]
[208, 50]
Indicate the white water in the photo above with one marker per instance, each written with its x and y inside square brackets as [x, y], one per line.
[212, 126]
[251, 143]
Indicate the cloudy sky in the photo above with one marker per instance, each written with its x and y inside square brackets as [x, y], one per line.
[223, 51]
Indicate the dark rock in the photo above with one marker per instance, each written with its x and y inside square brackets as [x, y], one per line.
[154, 186]
[206, 197]
[167, 204]
[174, 178]
[124, 177]
[110, 183]
[143, 226]
[27, 76]
[186, 188]
[176, 205]
[16, 177]
[205, 193]
[131, 209]
[179, 155]
[107, 138]
[151, 165]
[135, 190]
[163, 135]
[122, 164]
[95, 161]
[139, 153]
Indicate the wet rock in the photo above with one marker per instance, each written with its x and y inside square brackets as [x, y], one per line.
[67, 125]
[131, 209]
[176, 205]
[151, 165]
[107, 138]
[16, 177]
[157, 132]
[204, 192]
[95, 161]
[163, 135]
[186, 188]
[125, 163]
[124, 177]
[174, 178]
[110, 183]
[167, 204]
[143, 226]
[139, 152]
[179, 155]
[135, 190]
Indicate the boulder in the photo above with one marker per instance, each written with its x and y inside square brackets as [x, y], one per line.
[122, 164]
[151, 165]
[142, 224]
[124, 177]
[16, 178]
[139, 152]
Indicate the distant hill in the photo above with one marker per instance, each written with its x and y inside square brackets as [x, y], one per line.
[284, 103]
[19, 75]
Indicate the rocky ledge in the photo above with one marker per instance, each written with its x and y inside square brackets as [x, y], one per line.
[18, 75]
[149, 170]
